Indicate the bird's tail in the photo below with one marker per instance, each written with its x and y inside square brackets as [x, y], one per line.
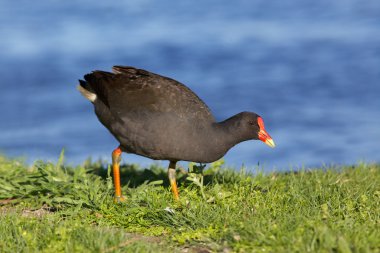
[86, 91]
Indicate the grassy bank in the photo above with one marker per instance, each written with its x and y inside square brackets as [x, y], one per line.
[53, 208]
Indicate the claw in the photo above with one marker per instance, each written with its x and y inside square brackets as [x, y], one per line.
[119, 199]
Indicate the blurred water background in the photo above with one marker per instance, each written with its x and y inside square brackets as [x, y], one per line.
[310, 68]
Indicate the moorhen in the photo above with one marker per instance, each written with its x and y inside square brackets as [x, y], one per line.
[159, 118]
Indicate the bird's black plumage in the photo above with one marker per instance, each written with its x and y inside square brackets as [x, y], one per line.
[160, 118]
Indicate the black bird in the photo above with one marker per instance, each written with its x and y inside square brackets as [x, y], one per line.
[157, 117]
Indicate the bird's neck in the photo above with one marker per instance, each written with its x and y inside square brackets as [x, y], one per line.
[226, 133]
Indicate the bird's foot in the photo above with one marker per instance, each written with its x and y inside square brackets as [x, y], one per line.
[119, 199]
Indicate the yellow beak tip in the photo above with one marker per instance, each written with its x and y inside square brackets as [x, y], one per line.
[270, 143]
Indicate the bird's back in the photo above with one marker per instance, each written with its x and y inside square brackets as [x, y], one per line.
[129, 90]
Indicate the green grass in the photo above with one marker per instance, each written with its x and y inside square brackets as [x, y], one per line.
[54, 208]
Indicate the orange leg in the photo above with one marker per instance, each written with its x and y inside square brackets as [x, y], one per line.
[116, 158]
[172, 179]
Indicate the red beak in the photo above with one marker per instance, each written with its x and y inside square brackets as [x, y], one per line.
[263, 135]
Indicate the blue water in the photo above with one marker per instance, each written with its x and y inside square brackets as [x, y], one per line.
[310, 69]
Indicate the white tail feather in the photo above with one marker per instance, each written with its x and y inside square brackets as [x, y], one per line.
[87, 94]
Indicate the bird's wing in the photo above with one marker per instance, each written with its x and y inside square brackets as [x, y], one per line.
[131, 93]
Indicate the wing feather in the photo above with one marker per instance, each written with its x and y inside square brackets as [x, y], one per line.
[132, 93]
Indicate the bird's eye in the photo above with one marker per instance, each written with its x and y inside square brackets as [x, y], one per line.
[251, 123]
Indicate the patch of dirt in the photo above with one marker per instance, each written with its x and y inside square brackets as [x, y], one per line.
[196, 249]
[4, 202]
[37, 213]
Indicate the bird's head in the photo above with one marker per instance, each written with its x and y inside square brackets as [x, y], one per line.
[251, 126]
